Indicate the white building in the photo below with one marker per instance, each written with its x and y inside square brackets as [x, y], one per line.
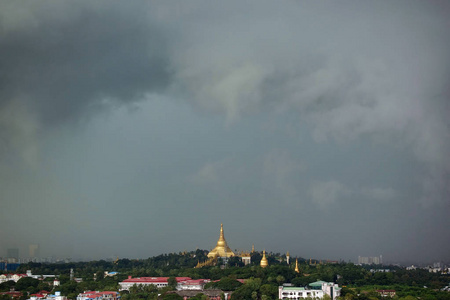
[331, 289]
[56, 296]
[159, 282]
[291, 292]
[13, 277]
[316, 290]
[192, 285]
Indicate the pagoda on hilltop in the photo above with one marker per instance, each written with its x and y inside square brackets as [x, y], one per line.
[264, 262]
[221, 249]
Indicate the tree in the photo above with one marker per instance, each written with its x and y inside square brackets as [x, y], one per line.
[280, 279]
[269, 291]
[172, 296]
[225, 284]
[6, 286]
[199, 296]
[25, 282]
[172, 283]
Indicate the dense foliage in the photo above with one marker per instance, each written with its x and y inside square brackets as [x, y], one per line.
[357, 282]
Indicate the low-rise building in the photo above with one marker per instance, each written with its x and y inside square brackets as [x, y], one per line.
[159, 282]
[192, 284]
[96, 295]
[292, 292]
[12, 294]
[56, 296]
[316, 290]
[13, 277]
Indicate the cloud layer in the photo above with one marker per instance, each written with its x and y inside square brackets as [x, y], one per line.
[310, 105]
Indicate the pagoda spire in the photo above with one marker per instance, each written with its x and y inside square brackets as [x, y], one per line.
[264, 263]
[221, 249]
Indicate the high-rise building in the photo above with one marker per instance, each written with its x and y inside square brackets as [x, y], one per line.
[370, 260]
[34, 250]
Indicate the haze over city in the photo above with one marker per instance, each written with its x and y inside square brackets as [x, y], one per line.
[135, 129]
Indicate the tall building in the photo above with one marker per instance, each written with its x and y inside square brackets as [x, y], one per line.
[364, 260]
[34, 250]
[221, 249]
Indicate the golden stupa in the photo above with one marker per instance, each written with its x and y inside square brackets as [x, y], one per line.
[221, 249]
[296, 266]
[264, 263]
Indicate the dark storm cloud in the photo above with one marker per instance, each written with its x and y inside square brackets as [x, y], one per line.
[332, 108]
[60, 60]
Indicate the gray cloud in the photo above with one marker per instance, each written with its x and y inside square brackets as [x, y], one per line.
[372, 70]
[326, 193]
[61, 61]
[305, 104]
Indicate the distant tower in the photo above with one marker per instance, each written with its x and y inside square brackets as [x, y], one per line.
[34, 251]
[264, 263]
[253, 248]
[296, 266]
[71, 274]
[287, 257]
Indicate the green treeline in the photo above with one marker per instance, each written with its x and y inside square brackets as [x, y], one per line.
[356, 281]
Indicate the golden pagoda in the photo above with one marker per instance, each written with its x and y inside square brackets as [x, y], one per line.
[221, 249]
[264, 263]
[296, 266]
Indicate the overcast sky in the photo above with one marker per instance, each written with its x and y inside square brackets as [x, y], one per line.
[135, 129]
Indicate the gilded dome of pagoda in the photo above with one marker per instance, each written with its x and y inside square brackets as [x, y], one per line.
[264, 263]
[221, 249]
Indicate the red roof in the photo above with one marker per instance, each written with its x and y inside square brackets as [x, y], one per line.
[155, 279]
[13, 294]
[97, 294]
[240, 280]
[195, 281]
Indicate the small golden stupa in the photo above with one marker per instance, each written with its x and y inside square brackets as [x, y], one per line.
[221, 249]
[264, 263]
[296, 266]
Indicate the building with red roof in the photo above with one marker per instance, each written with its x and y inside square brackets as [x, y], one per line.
[192, 284]
[12, 294]
[96, 295]
[159, 282]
